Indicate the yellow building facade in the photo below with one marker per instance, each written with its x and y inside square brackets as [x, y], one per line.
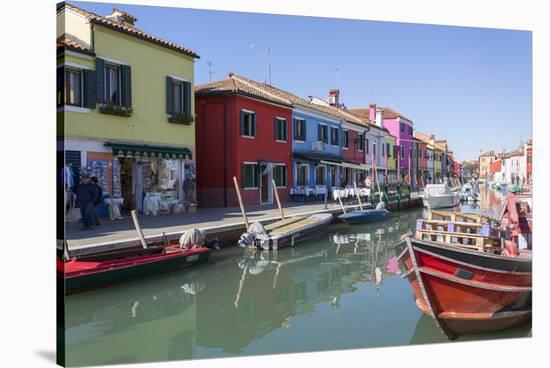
[125, 108]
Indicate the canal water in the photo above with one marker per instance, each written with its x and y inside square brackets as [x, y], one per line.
[341, 291]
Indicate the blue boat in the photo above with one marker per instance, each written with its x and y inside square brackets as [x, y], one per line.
[365, 216]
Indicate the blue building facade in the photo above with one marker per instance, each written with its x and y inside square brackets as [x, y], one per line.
[316, 143]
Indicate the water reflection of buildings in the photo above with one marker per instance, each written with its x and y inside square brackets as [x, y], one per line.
[270, 289]
[231, 303]
[137, 322]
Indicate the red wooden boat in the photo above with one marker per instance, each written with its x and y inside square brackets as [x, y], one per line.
[469, 291]
[94, 271]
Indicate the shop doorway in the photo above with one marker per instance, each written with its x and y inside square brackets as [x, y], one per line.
[126, 183]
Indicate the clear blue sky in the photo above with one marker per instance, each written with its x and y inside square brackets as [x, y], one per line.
[471, 86]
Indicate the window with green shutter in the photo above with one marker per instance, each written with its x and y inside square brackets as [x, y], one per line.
[250, 175]
[345, 138]
[280, 175]
[334, 136]
[248, 124]
[112, 85]
[179, 94]
[280, 130]
[299, 129]
[73, 87]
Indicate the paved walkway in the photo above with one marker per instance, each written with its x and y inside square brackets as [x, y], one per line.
[210, 219]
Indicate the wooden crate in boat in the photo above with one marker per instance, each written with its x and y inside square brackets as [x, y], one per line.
[459, 217]
[473, 241]
[456, 227]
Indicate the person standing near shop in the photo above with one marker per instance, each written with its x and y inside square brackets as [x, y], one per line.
[98, 193]
[85, 198]
[188, 190]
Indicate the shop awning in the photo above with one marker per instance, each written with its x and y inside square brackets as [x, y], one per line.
[145, 150]
[316, 156]
[345, 164]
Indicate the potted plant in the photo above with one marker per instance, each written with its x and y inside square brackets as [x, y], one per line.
[181, 118]
[119, 110]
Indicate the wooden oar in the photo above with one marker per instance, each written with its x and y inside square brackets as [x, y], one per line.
[358, 197]
[277, 198]
[138, 229]
[241, 204]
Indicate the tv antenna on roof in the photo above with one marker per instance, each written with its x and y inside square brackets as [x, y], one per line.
[268, 52]
[337, 77]
[210, 72]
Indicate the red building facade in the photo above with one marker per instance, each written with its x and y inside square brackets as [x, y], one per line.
[246, 133]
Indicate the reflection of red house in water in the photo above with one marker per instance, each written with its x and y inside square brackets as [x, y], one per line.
[457, 167]
[243, 131]
[495, 167]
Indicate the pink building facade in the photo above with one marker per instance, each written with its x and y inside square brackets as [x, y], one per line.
[401, 128]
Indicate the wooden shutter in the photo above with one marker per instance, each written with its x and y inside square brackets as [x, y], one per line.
[319, 133]
[243, 175]
[187, 97]
[256, 173]
[90, 88]
[254, 124]
[100, 80]
[242, 122]
[60, 86]
[275, 129]
[169, 95]
[126, 82]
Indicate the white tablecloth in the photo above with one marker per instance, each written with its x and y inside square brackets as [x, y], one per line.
[115, 204]
[349, 192]
[151, 204]
[303, 191]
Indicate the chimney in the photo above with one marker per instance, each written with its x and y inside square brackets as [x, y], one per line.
[122, 17]
[379, 117]
[372, 112]
[334, 97]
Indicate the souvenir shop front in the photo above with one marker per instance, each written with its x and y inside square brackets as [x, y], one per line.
[153, 179]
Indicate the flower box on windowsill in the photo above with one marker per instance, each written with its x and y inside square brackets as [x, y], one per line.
[181, 118]
[116, 110]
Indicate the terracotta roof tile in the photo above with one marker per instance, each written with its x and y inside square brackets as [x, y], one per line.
[66, 42]
[133, 31]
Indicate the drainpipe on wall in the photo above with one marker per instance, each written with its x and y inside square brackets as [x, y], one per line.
[225, 151]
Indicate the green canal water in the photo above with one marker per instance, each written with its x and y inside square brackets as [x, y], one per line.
[341, 291]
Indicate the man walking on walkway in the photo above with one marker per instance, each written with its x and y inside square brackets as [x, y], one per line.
[97, 199]
[86, 193]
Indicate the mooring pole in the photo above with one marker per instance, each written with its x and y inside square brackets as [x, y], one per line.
[277, 198]
[241, 204]
[138, 229]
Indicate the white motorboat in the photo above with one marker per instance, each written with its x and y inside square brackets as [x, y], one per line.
[439, 196]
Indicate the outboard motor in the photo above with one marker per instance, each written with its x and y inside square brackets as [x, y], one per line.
[256, 231]
[246, 240]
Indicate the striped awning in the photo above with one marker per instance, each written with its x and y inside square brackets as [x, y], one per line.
[149, 151]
